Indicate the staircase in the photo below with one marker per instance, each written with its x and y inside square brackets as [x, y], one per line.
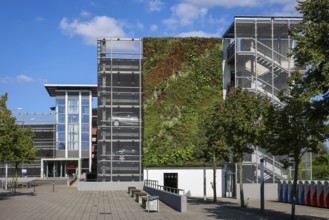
[276, 64]
[260, 70]
[273, 169]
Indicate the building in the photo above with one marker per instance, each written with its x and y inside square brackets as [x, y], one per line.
[256, 57]
[73, 143]
[42, 124]
[120, 114]
[108, 141]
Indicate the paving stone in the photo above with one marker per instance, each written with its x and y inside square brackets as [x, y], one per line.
[68, 203]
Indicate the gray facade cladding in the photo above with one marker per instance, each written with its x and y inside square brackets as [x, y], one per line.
[119, 124]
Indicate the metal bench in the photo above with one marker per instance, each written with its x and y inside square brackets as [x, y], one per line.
[139, 195]
[133, 191]
[151, 203]
[130, 188]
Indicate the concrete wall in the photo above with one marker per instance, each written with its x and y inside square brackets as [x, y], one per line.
[108, 186]
[191, 180]
[252, 191]
[177, 202]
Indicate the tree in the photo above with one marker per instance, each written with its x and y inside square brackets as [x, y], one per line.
[22, 149]
[295, 129]
[7, 129]
[16, 142]
[243, 124]
[312, 50]
[211, 139]
[320, 166]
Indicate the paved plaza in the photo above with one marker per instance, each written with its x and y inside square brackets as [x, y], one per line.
[69, 203]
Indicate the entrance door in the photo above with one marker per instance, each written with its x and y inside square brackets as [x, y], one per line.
[170, 182]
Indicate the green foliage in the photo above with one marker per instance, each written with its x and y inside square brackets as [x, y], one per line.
[7, 129]
[313, 49]
[16, 142]
[211, 137]
[182, 76]
[231, 126]
[244, 114]
[295, 129]
[320, 166]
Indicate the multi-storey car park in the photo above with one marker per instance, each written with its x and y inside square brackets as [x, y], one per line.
[255, 57]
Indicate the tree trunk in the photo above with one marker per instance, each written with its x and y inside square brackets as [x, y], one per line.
[294, 193]
[241, 182]
[214, 178]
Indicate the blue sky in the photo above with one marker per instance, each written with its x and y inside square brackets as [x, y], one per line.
[54, 41]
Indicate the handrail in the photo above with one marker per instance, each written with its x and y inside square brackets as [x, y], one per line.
[154, 184]
[269, 158]
[262, 81]
[232, 45]
[271, 49]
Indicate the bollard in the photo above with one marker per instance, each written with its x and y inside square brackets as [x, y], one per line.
[34, 185]
[53, 185]
[262, 185]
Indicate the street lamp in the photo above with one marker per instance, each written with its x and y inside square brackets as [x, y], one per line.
[23, 124]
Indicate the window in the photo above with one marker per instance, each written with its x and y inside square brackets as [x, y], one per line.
[73, 146]
[61, 127]
[60, 146]
[85, 127]
[60, 101]
[85, 137]
[85, 146]
[85, 102]
[85, 119]
[61, 118]
[73, 118]
[73, 105]
[61, 109]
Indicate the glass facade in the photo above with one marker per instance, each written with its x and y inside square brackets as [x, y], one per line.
[73, 127]
[119, 137]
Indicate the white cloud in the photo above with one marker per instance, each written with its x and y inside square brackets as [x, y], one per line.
[140, 25]
[185, 14]
[197, 34]
[287, 9]
[24, 78]
[237, 3]
[170, 22]
[154, 27]
[224, 3]
[84, 14]
[221, 20]
[99, 26]
[154, 5]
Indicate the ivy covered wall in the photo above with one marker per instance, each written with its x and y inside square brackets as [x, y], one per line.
[182, 77]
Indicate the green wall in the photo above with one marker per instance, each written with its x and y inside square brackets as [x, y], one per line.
[182, 77]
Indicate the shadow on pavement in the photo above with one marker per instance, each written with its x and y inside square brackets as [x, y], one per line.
[7, 195]
[231, 210]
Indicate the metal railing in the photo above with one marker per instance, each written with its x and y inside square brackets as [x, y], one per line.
[154, 184]
[272, 166]
[260, 47]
